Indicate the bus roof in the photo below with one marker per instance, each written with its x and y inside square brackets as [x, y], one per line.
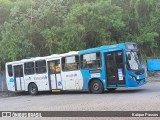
[44, 58]
[69, 53]
[102, 48]
[106, 47]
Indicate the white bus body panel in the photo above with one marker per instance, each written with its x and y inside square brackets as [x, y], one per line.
[20, 83]
[41, 80]
[72, 80]
[53, 81]
[56, 81]
[59, 81]
[10, 83]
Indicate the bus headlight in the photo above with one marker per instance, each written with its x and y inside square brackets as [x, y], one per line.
[132, 77]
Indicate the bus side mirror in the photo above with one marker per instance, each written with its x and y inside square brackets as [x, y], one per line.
[129, 56]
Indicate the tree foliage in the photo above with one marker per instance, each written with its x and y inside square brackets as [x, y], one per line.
[31, 28]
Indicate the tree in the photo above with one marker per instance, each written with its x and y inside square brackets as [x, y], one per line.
[90, 25]
[31, 28]
[24, 30]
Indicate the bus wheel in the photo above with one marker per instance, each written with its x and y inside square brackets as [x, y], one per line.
[33, 90]
[111, 89]
[96, 87]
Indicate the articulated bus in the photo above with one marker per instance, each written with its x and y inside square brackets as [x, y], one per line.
[95, 70]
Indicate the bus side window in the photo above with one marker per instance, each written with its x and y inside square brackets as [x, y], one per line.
[18, 71]
[52, 67]
[40, 66]
[10, 71]
[64, 68]
[98, 59]
[90, 60]
[57, 67]
[29, 68]
[70, 63]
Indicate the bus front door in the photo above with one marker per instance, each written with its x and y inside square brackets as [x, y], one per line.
[18, 76]
[55, 79]
[114, 69]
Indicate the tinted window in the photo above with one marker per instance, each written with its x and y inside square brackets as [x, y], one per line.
[29, 68]
[119, 59]
[10, 71]
[18, 71]
[40, 66]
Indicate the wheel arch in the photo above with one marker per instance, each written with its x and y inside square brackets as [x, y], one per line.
[30, 84]
[92, 80]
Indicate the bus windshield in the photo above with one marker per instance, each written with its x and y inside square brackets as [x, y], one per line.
[133, 60]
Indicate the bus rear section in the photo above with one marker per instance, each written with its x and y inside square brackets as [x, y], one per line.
[51, 73]
[15, 77]
[10, 77]
[27, 76]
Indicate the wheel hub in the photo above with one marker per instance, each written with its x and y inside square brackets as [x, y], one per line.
[96, 86]
[33, 90]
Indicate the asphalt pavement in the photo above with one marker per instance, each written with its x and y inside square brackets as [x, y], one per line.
[144, 98]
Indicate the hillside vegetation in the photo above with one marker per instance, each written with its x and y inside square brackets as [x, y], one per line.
[30, 28]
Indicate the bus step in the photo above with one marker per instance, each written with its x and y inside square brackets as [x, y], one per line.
[56, 90]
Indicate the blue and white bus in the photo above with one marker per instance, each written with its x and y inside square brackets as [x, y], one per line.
[95, 70]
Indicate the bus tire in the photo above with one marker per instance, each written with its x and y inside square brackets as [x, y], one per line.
[96, 87]
[33, 90]
[111, 89]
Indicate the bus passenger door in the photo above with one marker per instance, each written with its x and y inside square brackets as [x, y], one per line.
[18, 76]
[55, 79]
[114, 69]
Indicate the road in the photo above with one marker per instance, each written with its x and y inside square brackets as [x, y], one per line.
[144, 98]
